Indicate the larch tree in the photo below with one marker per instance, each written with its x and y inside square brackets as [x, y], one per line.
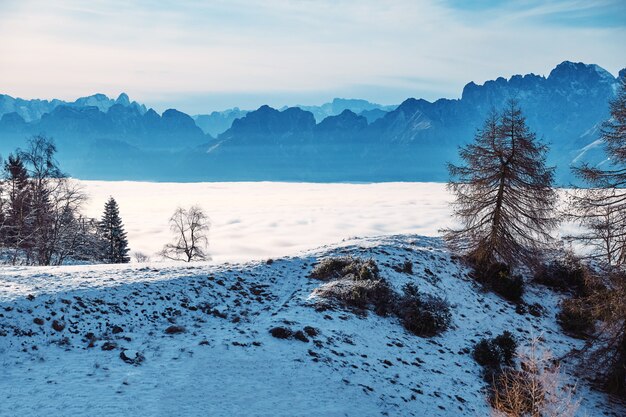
[115, 245]
[504, 195]
[601, 209]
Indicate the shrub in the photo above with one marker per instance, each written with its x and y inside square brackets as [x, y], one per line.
[376, 295]
[575, 318]
[497, 277]
[354, 283]
[565, 275]
[355, 268]
[174, 329]
[535, 388]
[422, 314]
[515, 393]
[357, 283]
[497, 352]
[330, 268]
[281, 332]
[141, 257]
[405, 267]
[508, 345]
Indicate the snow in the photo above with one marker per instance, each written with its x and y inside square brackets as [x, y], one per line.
[226, 363]
[258, 220]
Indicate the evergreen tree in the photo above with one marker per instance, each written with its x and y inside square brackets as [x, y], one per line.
[112, 231]
[17, 230]
[504, 195]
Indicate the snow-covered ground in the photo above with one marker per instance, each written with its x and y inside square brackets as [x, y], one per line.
[63, 331]
[262, 219]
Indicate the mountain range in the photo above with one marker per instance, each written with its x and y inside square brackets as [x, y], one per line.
[345, 140]
[218, 122]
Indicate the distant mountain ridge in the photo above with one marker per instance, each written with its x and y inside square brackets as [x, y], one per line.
[415, 140]
[339, 105]
[100, 138]
[218, 122]
[33, 110]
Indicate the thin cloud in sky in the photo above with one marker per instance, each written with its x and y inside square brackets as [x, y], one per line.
[206, 55]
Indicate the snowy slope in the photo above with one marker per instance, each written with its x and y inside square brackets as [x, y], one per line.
[226, 363]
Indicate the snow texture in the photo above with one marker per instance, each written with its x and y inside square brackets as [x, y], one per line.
[165, 339]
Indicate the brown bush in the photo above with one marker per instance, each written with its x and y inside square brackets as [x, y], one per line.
[366, 294]
[344, 267]
[497, 278]
[422, 314]
[535, 389]
[576, 318]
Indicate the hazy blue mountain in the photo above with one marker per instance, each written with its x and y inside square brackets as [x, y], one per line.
[346, 125]
[373, 114]
[338, 105]
[103, 139]
[415, 140]
[119, 143]
[218, 121]
[33, 110]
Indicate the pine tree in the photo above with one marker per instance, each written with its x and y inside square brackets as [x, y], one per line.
[504, 195]
[602, 208]
[19, 196]
[112, 231]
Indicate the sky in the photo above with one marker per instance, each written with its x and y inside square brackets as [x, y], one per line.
[199, 56]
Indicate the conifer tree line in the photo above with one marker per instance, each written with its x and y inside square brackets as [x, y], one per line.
[40, 214]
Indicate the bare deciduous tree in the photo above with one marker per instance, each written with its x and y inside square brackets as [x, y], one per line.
[65, 232]
[190, 228]
[604, 354]
[141, 257]
[602, 208]
[503, 193]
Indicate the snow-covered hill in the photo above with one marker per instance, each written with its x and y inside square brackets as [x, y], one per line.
[193, 340]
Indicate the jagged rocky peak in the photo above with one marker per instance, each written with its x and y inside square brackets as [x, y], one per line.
[411, 105]
[347, 120]
[267, 120]
[297, 118]
[123, 100]
[565, 74]
[151, 115]
[568, 71]
[175, 117]
[119, 109]
[99, 100]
